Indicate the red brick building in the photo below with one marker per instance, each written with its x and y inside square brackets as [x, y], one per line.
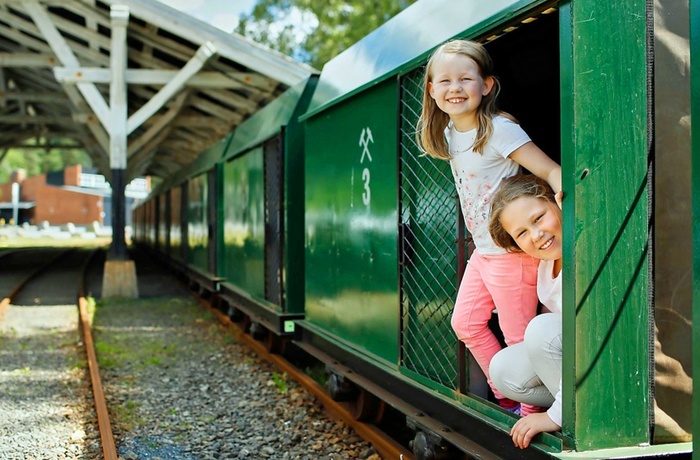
[58, 198]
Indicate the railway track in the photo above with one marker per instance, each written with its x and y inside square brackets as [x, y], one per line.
[351, 413]
[29, 277]
[58, 275]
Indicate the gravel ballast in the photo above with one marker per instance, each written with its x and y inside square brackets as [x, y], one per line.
[181, 387]
[178, 384]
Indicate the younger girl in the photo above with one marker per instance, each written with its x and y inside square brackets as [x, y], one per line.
[526, 217]
[460, 123]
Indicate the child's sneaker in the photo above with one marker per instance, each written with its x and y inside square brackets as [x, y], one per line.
[515, 410]
[510, 405]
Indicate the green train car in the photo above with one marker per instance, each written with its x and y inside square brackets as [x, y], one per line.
[601, 87]
[318, 221]
[232, 222]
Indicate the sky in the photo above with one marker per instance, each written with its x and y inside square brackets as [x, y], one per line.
[219, 13]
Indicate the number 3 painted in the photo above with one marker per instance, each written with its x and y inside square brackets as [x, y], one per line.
[366, 195]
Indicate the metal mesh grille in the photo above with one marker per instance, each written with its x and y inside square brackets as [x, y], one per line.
[429, 250]
[274, 291]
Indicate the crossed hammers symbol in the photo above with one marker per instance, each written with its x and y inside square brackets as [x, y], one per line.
[365, 139]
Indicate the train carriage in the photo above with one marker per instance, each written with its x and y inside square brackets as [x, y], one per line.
[261, 216]
[579, 76]
[319, 216]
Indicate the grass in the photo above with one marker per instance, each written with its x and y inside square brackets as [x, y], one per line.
[126, 415]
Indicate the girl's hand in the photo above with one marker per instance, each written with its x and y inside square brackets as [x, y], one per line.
[558, 197]
[527, 427]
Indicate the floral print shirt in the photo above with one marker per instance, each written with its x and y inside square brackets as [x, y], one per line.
[478, 175]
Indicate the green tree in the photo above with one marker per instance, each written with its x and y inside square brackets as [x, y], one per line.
[38, 160]
[312, 31]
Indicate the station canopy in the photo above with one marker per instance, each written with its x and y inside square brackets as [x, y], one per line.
[188, 84]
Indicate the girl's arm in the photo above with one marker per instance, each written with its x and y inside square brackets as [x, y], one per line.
[532, 158]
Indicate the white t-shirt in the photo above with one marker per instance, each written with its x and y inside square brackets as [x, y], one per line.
[478, 175]
[548, 288]
[549, 293]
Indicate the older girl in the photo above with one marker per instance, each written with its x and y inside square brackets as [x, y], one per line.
[460, 123]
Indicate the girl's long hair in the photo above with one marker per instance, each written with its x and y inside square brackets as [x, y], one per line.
[430, 130]
[510, 189]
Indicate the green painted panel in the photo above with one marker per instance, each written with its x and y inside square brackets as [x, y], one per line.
[607, 288]
[197, 223]
[294, 211]
[351, 221]
[266, 123]
[243, 263]
[695, 136]
[176, 222]
[162, 222]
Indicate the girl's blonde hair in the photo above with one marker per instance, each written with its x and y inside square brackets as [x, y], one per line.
[510, 189]
[430, 131]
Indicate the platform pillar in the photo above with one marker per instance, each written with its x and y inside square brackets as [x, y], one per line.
[119, 280]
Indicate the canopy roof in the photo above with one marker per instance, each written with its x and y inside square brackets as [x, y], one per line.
[188, 83]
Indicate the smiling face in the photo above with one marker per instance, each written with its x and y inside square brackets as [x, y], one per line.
[457, 87]
[535, 226]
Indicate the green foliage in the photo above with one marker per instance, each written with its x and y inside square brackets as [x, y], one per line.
[313, 31]
[38, 161]
[280, 381]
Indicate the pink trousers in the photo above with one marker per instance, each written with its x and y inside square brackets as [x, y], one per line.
[506, 283]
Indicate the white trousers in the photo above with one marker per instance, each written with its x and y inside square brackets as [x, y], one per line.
[530, 371]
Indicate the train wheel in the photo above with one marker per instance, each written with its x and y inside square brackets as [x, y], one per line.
[274, 343]
[257, 330]
[246, 323]
[427, 446]
[235, 314]
[217, 303]
[341, 389]
[367, 407]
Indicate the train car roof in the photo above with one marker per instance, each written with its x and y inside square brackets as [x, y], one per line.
[188, 83]
[261, 126]
[407, 39]
[270, 120]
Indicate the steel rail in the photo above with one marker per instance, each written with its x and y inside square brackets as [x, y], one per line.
[5, 302]
[108, 446]
[109, 449]
[386, 447]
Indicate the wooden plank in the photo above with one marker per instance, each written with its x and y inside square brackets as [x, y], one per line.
[64, 53]
[204, 53]
[270, 63]
[118, 91]
[27, 60]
